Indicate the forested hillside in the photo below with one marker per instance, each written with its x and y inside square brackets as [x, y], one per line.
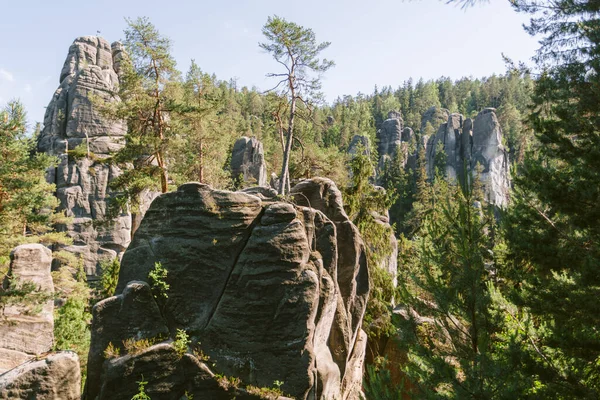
[438, 240]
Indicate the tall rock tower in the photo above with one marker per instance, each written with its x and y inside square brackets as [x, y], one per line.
[90, 74]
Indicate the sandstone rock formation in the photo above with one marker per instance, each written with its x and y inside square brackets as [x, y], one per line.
[248, 161]
[468, 143]
[389, 137]
[359, 141]
[270, 291]
[26, 330]
[394, 137]
[73, 122]
[55, 377]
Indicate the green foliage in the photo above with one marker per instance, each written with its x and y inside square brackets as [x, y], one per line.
[141, 395]
[110, 277]
[378, 383]
[364, 203]
[454, 327]
[25, 296]
[555, 259]
[27, 202]
[181, 342]
[266, 393]
[296, 48]
[157, 279]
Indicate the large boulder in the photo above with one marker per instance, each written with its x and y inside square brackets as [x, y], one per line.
[27, 328]
[270, 291]
[55, 377]
[73, 121]
[248, 161]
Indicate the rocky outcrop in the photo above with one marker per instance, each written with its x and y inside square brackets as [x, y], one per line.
[469, 143]
[389, 137]
[359, 142]
[393, 137]
[487, 150]
[55, 377]
[248, 161]
[270, 291]
[26, 328]
[76, 132]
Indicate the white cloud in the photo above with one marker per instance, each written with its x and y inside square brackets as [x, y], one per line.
[4, 74]
[28, 88]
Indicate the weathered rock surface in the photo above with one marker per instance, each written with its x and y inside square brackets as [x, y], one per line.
[56, 377]
[359, 141]
[248, 161]
[72, 121]
[24, 332]
[434, 116]
[389, 137]
[468, 143]
[488, 151]
[393, 138]
[269, 290]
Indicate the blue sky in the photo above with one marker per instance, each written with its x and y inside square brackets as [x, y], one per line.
[377, 42]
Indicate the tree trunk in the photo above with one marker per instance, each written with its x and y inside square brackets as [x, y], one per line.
[284, 182]
[201, 161]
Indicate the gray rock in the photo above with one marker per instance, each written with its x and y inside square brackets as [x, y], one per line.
[262, 192]
[448, 138]
[435, 116]
[73, 120]
[470, 143]
[359, 141]
[390, 135]
[272, 291]
[132, 315]
[25, 332]
[55, 377]
[248, 161]
[488, 151]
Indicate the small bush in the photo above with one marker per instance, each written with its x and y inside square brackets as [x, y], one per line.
[110, 277]
[228, 383]
[141, 395]
[157, 279]
[181, 342]
[111, 351]
[133, 346]
[265, 392]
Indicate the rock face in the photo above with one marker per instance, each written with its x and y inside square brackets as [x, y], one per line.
[390, 134]
[468, 143]
[359, 141]
[394, 137]
[56, 377]
[270, 291]
[248, 161]
[24, 332]
[73, 122]
[488, 151]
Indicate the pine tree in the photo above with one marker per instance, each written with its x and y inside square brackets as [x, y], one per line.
[294, 47]
[453, 326]
[27, 201]
[553, 227]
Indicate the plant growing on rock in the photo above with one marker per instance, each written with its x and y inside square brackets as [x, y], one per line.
[181, 342]
[141, 395]
[158, 283]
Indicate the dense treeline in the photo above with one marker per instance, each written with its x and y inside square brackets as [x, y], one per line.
[490, 304]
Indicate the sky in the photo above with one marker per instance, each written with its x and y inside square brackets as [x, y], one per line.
[376, 42]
